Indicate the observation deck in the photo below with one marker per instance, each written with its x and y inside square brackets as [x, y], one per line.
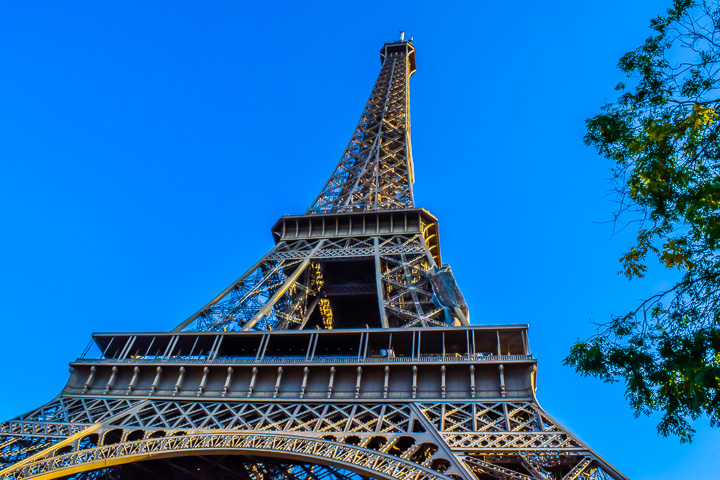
[437, 363]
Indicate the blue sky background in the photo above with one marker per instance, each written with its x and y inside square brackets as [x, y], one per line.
[147, 148]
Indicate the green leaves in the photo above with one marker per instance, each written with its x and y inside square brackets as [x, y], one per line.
[662, 136]
[676, 373]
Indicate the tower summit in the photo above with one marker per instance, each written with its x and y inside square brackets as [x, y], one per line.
[376, 171]
[345, 352]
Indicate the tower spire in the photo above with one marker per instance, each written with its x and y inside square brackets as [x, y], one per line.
[375, 172]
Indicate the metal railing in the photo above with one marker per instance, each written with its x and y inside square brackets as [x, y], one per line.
[316, 360]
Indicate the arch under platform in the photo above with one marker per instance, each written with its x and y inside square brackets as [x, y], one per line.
[301, 450]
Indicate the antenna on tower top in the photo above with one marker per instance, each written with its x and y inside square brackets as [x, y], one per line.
[402, 36]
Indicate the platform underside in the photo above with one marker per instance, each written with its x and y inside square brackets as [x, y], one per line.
[219, 467]
[239, 467]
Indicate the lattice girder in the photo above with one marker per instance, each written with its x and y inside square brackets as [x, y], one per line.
[360, 460]
[222, 467]
[423, 440]
[375, 171]
[283, 289]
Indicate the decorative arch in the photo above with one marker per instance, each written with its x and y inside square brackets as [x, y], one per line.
[359, 460]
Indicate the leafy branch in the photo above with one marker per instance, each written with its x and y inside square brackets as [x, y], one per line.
[662, 134]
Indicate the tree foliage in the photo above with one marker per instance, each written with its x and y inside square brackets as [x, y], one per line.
[662, 135]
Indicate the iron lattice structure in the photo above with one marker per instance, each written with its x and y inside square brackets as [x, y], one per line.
[344, 353]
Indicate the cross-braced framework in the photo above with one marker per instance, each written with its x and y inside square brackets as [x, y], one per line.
[222, 467]
[287, 286]
[344, 353]
[326, 262]
[376, 172]
[416, 440]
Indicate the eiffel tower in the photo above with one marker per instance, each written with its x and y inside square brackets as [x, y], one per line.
[346, 352]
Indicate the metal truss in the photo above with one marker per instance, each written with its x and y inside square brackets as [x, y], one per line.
[499, 426]
[270, 294]
[356, 419]
[16, 448]
[498, 439]
[73, 411]
[345, 456]
[287, 287]
[283, 289]
[538, 467]
[375, 172]
[64, 417]
[407, 293]
[220, 467]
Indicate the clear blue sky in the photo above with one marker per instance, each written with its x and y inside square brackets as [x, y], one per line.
[147, 147]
